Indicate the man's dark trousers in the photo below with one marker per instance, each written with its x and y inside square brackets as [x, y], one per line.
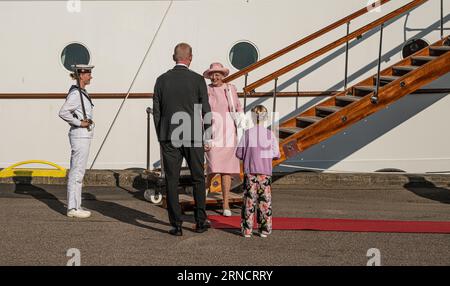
[172, 161]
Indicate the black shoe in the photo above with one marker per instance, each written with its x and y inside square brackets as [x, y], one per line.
[200, 228]
[177, 231]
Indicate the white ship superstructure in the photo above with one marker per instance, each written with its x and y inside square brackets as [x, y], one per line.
[37, 37]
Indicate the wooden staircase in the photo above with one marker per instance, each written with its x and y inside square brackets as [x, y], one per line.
[324, 120]
[348, 107]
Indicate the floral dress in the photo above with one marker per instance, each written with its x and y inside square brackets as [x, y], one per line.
[257, 198]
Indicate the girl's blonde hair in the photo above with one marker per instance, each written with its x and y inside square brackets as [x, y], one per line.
[261, 113]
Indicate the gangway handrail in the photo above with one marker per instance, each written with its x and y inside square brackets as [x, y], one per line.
[305, 40]
[333, 45]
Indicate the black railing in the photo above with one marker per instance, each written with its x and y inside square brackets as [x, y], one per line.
[442, 19]
[374, 98]
[346, 58]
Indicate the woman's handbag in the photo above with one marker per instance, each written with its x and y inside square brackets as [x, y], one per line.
[239, 118]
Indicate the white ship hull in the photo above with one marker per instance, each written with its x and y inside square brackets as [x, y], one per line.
[410, 135]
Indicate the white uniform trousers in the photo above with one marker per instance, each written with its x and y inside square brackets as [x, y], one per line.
[78, 163]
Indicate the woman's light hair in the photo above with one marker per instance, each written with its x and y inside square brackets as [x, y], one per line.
[261, 113]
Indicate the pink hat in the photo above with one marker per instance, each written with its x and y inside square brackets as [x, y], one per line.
[216, 67]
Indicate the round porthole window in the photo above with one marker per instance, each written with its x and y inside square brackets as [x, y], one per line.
[75, 53]
[412, 46]
[243, 54]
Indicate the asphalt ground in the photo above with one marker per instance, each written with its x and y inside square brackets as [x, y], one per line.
[127, 230]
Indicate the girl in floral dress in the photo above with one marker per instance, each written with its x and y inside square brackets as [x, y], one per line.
[257, 148]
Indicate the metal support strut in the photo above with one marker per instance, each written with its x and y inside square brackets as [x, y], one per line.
[374, 98]
[442, 19]
[274, 109]
[346, 58]
[245, 93]
[149, 112]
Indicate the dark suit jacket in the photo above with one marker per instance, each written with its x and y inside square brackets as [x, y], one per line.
[179, 90]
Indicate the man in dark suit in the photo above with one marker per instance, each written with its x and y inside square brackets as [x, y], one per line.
[180, 104]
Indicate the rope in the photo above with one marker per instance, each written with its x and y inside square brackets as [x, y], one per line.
[132, 83]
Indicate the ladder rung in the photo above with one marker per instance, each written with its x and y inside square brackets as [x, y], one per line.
[405, 68]
[330, 109]
[440, 48]
[310, 119]
[423, 58]
[290, 130]
[365, 88]
[387, 77]
[348, 98]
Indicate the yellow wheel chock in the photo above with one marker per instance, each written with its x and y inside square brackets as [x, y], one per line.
[216, 184]
[12, 171]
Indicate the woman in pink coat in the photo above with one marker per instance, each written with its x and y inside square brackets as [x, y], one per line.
[221, 150]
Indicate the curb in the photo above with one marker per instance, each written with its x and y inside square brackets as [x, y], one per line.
[300, 180]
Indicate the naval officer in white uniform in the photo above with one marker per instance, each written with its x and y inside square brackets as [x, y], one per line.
[80, 136]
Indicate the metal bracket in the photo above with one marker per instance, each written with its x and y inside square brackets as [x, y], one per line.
[374, 99]
[291, 149]
[447, 42]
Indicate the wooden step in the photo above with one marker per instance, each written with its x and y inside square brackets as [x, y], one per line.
[447, 42]
[402, 70]
[421, 60]
[385, 79]
[324, 111]
[346, 100]
[305, 121]
[311, 119]
[363, 90]
[438, 50]
[288, 131]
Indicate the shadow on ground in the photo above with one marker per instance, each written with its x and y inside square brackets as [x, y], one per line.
[421, 187]
[122, 213]
[24, 186]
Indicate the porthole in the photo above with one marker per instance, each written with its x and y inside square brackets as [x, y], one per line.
[243, 54]
[75, 53]
[390, 170]
[412, 46]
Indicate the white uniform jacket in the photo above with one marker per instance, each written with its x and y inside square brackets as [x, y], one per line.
[72, 113]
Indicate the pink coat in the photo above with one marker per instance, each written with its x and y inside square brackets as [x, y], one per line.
[221, 159]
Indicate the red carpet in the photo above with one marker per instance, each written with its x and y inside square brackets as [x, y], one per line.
[350, 225]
